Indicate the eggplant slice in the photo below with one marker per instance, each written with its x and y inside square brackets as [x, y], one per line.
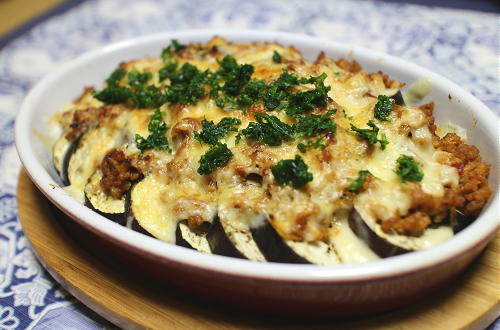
[92, 146]
[237, 209]
[61, 153]
[276, 249]
[273, 246]
[378, 245]
[104, 204]
[388, 244]
[151, 213]
[229, 240]
[193, 238]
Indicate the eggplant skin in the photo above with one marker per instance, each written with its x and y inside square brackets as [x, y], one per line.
[119, 218]
[179, 240]
[377, 244]
[219, 242]
[199, 233]
[398, 98]
[65, 163]
[273, 247]
[462, 221]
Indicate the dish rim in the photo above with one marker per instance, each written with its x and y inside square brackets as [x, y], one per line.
[476, 234]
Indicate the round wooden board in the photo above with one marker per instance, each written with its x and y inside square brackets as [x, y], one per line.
[126, 298]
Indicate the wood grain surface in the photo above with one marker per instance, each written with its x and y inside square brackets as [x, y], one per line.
[130, 300]
[13, 13]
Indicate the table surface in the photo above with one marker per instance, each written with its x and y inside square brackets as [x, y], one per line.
[459, 44]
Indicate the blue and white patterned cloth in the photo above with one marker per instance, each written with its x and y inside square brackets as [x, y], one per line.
[461, 45]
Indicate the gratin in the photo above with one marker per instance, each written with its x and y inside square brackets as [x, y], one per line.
[250, 151]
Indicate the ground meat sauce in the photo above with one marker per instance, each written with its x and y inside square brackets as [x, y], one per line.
[118, 173]
[426, 209]
[468, 198]
[473, 185]
[413, 224]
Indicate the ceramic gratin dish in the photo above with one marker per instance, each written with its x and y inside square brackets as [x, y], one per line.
[269, 287]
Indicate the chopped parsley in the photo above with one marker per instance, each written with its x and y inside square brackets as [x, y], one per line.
[177, 45]
[268, 129]
[157, 139]
[167, 71]
[276, 57]
[238, 91]
[235, 84]
[250, 93]
[383, 108]
[169, 52]
[314, 124]
[408, 169]
[186, 84]
[228, 68]
[318, 143]
[279, 90]
[371, 134]
[137, 79]
[300, 102]
[113, 94]
[212, 133]
[356, 184]
[272, 131]
[116, 76]
[148, 97]
[218, 155]
[292, 171]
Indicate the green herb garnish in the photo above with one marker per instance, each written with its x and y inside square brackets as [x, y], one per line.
[137, 79]
[228, 68]
[169, 52]
[383, 108]
[148, 97]
[238, 90]
[156, 139]
[212, 133]
[279, 90]
[167, 71]
[186, 84]
[268, 129]
[235, 84]
[292, 171]
[276, 57]
[218, 155]
[300, 102]
[314, 124]
[318, 143]
[177, 45]
[356, 184]
[371, 134]
[250, 94]
[408, 169]
[113, 94]
[116, 76]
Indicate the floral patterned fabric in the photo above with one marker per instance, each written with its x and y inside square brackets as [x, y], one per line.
[461, 45]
